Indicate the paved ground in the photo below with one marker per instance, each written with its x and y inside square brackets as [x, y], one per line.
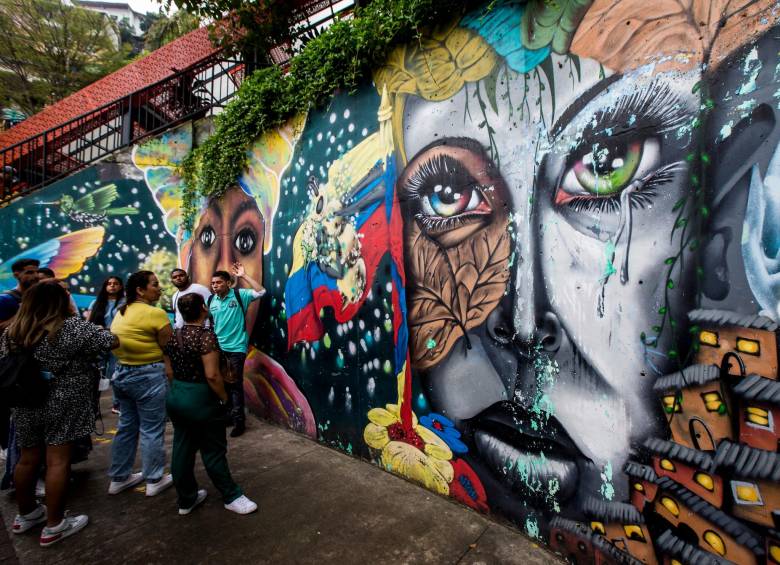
[317, 505]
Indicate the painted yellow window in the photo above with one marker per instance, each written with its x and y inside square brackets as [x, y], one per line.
[774, 552]
[757, 416]
[667, 465]
[671, 403]
[675, 562]
[715, 542]
[749, 346]
[638, 487]
[708, 338]
[704, 480]
[746, 493]
[634, 532]
[598, 527]
[670, 505]
[713, 402]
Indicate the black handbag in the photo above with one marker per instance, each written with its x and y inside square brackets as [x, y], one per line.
[22, 383]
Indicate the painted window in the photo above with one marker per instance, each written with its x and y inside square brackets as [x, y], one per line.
[672, 403]
[704, 480]
[709, 338]
[746, 494]
[638, 487]
[667, 465]
[670, 505]
[634, 532]
[598, 527]
[774, 552]
[715, 542]
[749, 346]
[713, 402]
[759, 418]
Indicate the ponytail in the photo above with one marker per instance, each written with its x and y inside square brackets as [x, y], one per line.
[135, 281]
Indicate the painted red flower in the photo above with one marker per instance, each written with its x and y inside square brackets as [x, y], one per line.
[467, 488]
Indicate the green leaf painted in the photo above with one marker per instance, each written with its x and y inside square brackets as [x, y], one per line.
[551, 22]
[490, 89]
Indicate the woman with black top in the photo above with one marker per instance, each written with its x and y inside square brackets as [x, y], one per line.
[196, 407]
[101, 312]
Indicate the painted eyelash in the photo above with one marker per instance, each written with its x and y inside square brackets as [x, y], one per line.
[439, 167]
[642, 198]
[656, 106]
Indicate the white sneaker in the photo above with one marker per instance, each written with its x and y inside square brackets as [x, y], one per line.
[40, 488]
[201, 497]
[118, 486]
[153, 489]
[69, 526]
[24, 523]
[241, 505]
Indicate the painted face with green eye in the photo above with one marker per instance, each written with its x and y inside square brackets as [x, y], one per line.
[608, 170]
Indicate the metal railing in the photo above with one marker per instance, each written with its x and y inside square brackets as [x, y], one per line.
[192, 93]
[196, 92]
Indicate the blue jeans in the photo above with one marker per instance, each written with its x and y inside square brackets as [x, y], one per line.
[140, 390]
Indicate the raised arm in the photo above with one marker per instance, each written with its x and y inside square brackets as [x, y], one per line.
[240, 273]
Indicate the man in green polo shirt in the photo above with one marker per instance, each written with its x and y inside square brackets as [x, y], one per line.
[228, 310]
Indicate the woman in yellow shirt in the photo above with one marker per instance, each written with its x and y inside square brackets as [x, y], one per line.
[140, 386]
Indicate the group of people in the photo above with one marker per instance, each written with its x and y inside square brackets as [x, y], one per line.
[190, 372]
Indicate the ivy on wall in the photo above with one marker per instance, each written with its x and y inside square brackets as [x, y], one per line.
[336, 60]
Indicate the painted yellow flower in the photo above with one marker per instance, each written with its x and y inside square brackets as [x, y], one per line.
[419, 455]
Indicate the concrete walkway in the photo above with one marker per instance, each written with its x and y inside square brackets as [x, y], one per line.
[317, 505]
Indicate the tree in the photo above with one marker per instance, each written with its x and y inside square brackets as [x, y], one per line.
[165, 29]
[49, 49]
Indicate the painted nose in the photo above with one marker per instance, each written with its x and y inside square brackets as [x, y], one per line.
[225, 259]
[546, 333]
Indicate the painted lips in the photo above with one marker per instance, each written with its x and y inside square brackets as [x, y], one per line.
[540, 465]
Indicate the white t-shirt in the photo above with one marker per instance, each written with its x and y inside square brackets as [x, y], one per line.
[194, 287]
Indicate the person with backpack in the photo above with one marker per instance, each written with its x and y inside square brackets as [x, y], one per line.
[195, 405]
[184, 286]
[25, 272]
[227, 307]
[46, 357]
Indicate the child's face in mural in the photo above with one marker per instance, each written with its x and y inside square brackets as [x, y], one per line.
[553, 247]
[231, 229]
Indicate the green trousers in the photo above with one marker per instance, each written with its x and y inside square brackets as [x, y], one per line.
[191, 435]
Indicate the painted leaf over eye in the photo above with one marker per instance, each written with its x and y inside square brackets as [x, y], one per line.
[454, 291]
[552, 23]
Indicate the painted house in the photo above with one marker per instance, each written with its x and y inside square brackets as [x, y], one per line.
[716, 531]
[753, 476]
[697, 407]
[642, 483]
[751, 338]
[622, 525]
[674, 551]
[690, 468]
[572, 540]
[758, 401]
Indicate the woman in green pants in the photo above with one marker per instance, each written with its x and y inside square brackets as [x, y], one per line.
[195, 406]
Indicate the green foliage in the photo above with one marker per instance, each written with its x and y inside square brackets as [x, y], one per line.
[164, 29]
[338, 59]
[552, 22]
[50, 49]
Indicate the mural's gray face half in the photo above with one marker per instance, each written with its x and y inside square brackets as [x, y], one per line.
[555, 386]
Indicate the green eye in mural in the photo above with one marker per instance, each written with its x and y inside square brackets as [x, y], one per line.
[599, 174]
[608, 170]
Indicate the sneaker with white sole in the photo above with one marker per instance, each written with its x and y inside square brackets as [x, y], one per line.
[118, 486]
[69, 526]
[24, 523]
[153, 489]
[202, 494]
[241, 505]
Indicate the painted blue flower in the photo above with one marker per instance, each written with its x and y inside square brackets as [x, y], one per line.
[445, 429]
[500, 27]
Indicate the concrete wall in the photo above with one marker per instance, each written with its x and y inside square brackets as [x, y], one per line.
[510, 268]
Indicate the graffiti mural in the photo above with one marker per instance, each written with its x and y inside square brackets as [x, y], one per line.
[530, 264]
